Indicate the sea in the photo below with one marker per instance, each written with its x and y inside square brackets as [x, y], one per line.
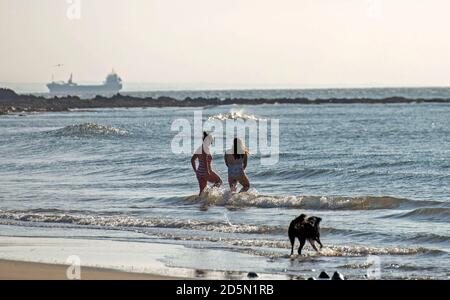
[378, 175]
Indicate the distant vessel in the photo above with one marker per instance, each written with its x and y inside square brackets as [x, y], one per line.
[112, 85]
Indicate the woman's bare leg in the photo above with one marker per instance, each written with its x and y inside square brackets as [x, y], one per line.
[243, 180]
[202, 183]
[214, 178]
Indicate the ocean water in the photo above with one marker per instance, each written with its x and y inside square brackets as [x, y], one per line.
[312, 93]
[378, 176]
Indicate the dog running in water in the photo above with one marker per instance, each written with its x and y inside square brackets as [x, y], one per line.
[305, 228]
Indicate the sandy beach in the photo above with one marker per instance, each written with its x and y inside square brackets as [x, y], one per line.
[16, 270]
[50, 259]
[24, 258]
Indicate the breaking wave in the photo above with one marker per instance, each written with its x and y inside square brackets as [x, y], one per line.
[89, 129]
[258, 245]
[234, 115]
[262, 247]
[121, 221]
[219, 197]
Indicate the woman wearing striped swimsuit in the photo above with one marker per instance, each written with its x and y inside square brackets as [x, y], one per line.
[204, 171]
[236, 161]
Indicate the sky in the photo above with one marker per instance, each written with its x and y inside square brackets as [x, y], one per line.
[298, 43]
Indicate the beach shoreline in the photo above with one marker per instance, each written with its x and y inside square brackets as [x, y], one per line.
[38, 258]
[34, 258]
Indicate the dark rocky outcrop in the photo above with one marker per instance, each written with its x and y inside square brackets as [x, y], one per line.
[13, 102]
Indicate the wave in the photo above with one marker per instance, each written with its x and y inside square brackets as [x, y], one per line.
[89, 129]
[260, 247]
[355, 250]
[295, 173]
[121, 221]
[409, 268]
[57, 216]
[383, 164]
[69, 219]
[365, 265]
[234, 115]
[427, 238]
[438, 214]
[403, 267]
[220, 197]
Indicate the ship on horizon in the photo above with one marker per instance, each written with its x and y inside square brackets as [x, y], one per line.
[111, 85]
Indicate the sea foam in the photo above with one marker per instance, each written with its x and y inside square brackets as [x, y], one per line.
[220, 197]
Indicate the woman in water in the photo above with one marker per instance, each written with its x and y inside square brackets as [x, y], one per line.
[204, 171]
[236, 161]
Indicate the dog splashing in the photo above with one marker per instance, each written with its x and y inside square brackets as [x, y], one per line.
[305, 228]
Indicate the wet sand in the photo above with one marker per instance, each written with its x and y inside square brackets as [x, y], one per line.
[16, 270]
[25, 258]
[49, 259]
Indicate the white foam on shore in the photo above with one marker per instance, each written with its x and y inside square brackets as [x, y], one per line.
[134, 257]
[252, 198]
[129, 257]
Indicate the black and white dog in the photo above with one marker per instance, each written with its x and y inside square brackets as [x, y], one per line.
[305, 228]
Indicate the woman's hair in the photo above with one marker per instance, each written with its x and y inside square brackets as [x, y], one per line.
[205, 135]
[239, 148]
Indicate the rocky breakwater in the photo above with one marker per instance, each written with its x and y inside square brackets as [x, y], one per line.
[11, 102]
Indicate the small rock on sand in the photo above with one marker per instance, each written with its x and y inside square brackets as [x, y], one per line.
[337, 276]
[324, 275]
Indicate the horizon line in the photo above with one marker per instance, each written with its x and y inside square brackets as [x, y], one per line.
[208, 86]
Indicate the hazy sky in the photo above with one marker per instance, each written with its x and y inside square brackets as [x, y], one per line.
[250, 42]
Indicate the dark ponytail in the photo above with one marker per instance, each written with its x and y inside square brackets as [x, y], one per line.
[205, 135]
[235, 150]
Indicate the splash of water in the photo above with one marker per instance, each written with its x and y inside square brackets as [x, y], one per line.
[234, 115]
[89, 129]
[252, 198]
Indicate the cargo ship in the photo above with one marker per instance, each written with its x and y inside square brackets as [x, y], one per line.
[111, 85]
